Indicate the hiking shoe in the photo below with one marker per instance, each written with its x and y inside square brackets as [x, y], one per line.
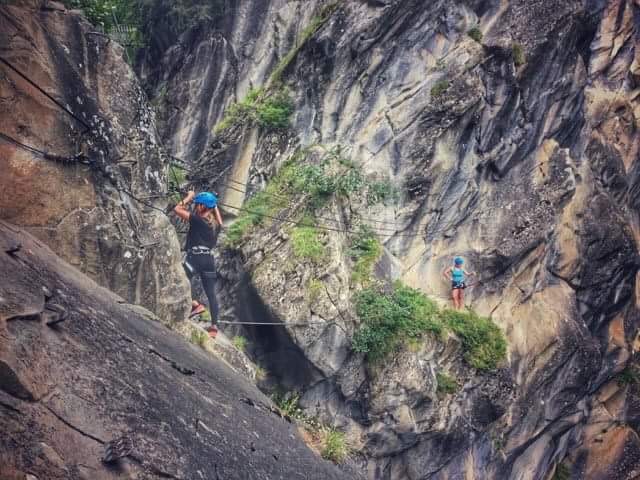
[197, 310]
[213, 331]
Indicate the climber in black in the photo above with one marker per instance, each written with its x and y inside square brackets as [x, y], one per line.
[201, 239]
[456, 274]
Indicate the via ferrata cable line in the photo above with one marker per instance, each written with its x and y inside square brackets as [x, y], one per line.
[78, 158]
[45, 93]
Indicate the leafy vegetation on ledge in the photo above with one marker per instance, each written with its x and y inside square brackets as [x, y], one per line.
[334, 176]
[388, 319]
[316, 23]
[306, 243]
[439, 88]
[240, 342]
[446, 383]
[329, 442]
[518, 54]
[476, 34]
[365, 251]
[269, 109]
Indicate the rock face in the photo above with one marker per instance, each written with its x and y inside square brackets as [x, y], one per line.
[91, 388]
[519, 152]
[101, 153]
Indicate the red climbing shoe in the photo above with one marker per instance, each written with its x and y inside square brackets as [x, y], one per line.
[197, 310]
[213, 331]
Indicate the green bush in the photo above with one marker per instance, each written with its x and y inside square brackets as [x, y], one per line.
[240, 112]
[334, 446]
[482, 340]
[476, 34]
[255, 210]
[349, 183]
[314, 290]
[311, 180]
[365, 251]
[518, 54]
[270, 109]
[274, 112]
[288, 405]
[388, 319]
[439, 88]
[101, 12]
[306, 243]
[446, 384]
[381, 192]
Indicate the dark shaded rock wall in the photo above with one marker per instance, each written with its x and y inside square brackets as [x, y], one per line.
[82, 371]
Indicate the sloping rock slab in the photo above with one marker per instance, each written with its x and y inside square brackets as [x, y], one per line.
[106, 393]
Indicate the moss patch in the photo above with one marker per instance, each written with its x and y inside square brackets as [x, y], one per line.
[446, 384]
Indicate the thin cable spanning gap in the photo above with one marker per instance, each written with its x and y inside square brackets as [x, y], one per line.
[328, 219]
[317, 216]
[45, 93]
[282, 324]
[320, 227]
[275, 195]
[366, 219]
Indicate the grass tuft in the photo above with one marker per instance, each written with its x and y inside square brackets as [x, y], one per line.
[365, 250]
[446, 383]
[439, 88]
[518, 54]
[198, 337]
[314, 290]
[476, 34]
[240, 342]
[306, 243]
[335, 447]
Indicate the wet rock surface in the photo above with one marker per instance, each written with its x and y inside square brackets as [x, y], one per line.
[107, 393]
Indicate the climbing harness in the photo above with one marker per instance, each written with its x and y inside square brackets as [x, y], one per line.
[200, 250]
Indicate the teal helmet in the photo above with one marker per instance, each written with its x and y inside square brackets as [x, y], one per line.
[207, 199]
[459, 261]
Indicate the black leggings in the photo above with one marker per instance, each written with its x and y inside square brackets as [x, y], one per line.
[208, 279]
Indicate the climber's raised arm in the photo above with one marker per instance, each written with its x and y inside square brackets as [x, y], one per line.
[217, 216]
[181, 208]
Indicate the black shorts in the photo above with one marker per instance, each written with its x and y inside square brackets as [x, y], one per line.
[458, 285]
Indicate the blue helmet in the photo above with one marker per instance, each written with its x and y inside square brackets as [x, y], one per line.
[459, 261]
[207, 199]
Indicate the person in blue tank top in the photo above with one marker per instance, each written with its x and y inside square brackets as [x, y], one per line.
[457, 275]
